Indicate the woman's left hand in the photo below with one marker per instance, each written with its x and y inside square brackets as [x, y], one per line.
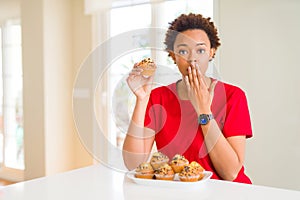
[199, 93]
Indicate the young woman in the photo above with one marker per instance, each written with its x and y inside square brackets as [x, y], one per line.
[201, 118]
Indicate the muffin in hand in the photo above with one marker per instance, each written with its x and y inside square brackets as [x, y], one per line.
[148, 67]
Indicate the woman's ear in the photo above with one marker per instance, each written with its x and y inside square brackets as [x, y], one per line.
[212, 53]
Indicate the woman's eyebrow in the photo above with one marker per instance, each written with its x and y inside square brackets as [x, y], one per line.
[198, 44]
[184, 45]
[201, 43]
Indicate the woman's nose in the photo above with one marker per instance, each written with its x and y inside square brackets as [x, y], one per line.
[192, 61]
[192, 58]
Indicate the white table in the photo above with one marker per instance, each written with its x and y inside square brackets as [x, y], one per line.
[100, 182]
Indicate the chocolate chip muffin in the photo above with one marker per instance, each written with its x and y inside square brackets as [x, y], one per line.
[144, 170]
[178, 162]
[164, 172]
[158, 159]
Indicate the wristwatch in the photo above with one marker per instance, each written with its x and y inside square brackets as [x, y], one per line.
[203, 119]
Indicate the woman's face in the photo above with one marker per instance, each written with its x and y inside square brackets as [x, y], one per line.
[192, 47]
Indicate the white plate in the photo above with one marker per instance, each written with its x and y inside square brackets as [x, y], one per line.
[164, 183]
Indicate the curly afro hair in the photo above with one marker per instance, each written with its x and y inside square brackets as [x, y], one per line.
[188, 22]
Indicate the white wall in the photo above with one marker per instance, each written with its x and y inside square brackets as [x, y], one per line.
[33, 88]
[58, 84]
[54, 35]
[82, 45]
[10, 9]
[260, 52]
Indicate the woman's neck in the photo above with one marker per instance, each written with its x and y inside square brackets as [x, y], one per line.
[181, 90]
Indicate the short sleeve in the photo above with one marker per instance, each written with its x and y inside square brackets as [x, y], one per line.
[156, 115]
[237, 120]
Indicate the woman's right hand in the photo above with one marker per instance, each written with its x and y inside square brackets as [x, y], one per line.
[140, 85]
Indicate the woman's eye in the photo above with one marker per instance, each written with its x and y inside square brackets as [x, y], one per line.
[183, 52]
[201, 51]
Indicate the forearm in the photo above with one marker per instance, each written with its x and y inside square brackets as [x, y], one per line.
[225, 159]
[138, 140]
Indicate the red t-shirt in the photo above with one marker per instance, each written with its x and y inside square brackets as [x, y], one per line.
[176, 126]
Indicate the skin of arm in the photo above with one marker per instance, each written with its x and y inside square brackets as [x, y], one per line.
[139, 140]
[227, 154]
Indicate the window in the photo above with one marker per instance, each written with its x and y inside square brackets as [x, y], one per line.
[11, 108]
[125, 19]
[136, 16]
[118, 92]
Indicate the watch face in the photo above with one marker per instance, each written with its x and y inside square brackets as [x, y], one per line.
[203, 119]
